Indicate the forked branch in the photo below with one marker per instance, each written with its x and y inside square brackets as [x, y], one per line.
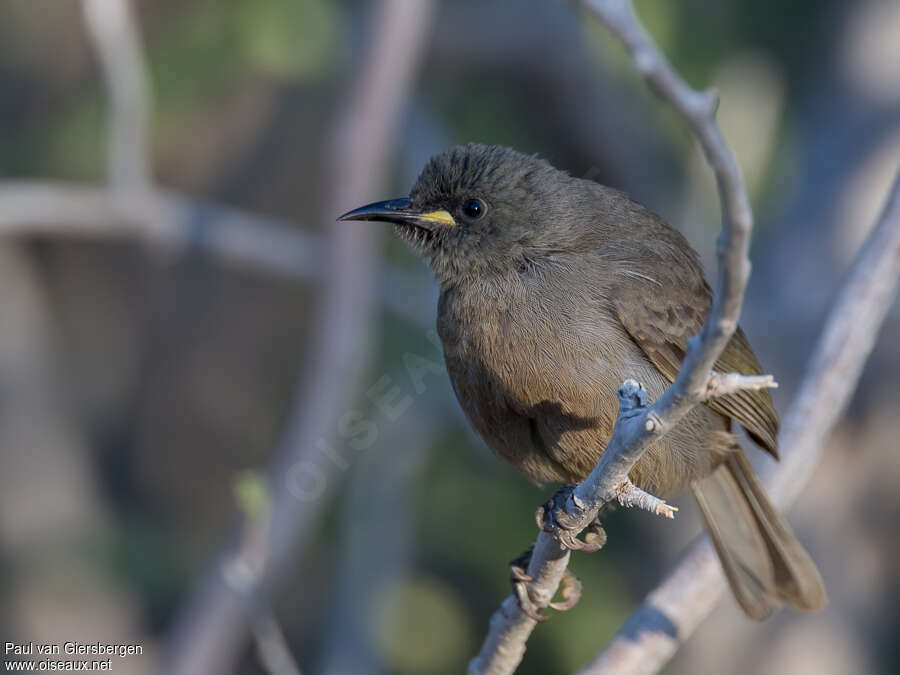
[639, 426]
[672, 611]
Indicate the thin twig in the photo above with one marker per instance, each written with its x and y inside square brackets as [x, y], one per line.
[241, 575]
[725, 384]
[210, 636]
[114, 36]
[637, 427]
[631, 496]
[271, 643]
[671, 612]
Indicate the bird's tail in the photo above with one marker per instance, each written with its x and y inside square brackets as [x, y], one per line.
[764, 563]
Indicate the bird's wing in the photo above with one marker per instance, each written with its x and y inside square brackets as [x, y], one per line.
[653, 309]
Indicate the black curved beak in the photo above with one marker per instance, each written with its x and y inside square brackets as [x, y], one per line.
[401, 212]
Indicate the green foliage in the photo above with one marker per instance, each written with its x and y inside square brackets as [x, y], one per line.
[420, 626]
[496, 118]
[288, 39]
[150, 556]
[251, 494]
[73, 144]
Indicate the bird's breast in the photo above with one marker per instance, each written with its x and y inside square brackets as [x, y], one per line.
[534, 372]
[535, 340]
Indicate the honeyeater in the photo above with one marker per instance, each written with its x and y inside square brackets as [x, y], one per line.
[553, 291]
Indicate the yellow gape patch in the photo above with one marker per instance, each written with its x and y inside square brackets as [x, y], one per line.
[441, 217]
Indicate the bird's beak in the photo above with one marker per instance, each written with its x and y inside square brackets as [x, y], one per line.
[401, 212]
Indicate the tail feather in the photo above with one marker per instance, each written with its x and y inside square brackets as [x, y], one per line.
[764, 563]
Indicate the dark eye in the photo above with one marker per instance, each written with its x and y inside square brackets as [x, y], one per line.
[473, 208]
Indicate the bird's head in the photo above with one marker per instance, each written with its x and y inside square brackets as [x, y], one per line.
[478, 208]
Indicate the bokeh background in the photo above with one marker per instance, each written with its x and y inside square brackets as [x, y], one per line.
[155, 361]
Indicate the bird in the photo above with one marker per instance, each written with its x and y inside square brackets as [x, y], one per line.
[553, 291]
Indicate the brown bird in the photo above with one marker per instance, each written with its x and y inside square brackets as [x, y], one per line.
[554, 290]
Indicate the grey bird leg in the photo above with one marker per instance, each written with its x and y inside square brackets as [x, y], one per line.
[570, 588]
[551, 517]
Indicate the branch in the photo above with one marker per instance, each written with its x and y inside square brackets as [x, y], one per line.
[114, 36]
[173, 221]
[163, 218]
[637, 426]
[377, 513]
[241, 575]
[211, 633]
[726, 384]
[631, 496]
[52, 499]
[671, 613]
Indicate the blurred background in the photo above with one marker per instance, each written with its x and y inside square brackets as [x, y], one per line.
[204, 379]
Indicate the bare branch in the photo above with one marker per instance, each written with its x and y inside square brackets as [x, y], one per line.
[210, 637]
[115, 38]
[637, 427]
[698, 109]
[725, 384]
[846, 342]
[631, 496]
[672, 612]
[240, 574]
[271, 644]
[162, 218]
[50, 484]
[168, 220]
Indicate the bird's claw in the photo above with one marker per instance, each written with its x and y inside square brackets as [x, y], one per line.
[569, 586]
[570, 589]
[551, 517]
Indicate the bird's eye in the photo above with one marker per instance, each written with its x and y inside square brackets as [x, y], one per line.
[473, 208]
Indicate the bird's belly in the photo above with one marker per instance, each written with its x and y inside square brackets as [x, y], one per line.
[542, 393]
[552, 418]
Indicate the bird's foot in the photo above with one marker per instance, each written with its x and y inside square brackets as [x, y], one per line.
[551, 517]
[630, 495]
[570, 589]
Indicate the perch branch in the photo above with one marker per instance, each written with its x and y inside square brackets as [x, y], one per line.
[638, 426]
[671, 613]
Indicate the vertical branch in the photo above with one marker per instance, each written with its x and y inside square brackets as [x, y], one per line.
[846, 342]
[242, 579]
[210, 635]
[698, 108]
[674, 610]
[638, 426]
[377, 514]
[51, 496]
[114, 36]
